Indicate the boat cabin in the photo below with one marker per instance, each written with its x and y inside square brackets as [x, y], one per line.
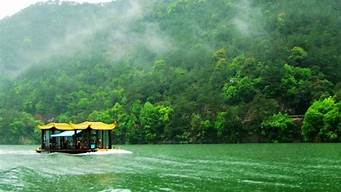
[76, 138]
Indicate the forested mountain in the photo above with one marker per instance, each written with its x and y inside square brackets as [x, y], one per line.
[175, 71]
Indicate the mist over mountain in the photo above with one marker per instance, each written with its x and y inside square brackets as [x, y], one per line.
[175, 71]
[64, 29]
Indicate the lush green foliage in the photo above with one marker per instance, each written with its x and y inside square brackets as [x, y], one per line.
[20, 128]
[322, 121]
[280, 128]
[182, 71]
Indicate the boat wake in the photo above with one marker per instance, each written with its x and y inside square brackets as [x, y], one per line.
[16, 152]
[106, 152]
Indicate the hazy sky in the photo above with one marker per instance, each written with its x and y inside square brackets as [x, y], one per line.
[10, 7]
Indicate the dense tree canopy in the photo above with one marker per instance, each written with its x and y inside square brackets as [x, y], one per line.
[182, 71]
[322, 121]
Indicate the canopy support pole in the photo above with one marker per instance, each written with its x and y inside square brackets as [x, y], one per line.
[110, 139]
[75, 139]
[97, 139]
[103, 147]
[89, 138]
[42, 139]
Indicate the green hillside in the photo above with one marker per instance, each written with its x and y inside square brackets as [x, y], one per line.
[175, 71]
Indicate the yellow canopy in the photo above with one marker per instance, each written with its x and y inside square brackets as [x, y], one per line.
[80, 126]
[59, 126]
[94, 125]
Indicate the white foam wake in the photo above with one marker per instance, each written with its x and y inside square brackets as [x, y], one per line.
[108, 152]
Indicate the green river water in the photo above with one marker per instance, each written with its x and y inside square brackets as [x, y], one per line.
[188, 168]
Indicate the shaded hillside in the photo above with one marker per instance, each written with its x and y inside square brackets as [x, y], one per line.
[194, 71]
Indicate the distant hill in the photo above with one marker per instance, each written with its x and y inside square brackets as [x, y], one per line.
[183, 71]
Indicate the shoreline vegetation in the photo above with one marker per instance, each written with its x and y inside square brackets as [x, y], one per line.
[183, 71]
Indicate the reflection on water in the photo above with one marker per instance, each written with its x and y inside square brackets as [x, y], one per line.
[248, 167]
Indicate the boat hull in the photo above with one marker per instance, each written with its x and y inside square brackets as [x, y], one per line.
[85, 152]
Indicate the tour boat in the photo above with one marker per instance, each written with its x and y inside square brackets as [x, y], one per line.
[83, 138]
